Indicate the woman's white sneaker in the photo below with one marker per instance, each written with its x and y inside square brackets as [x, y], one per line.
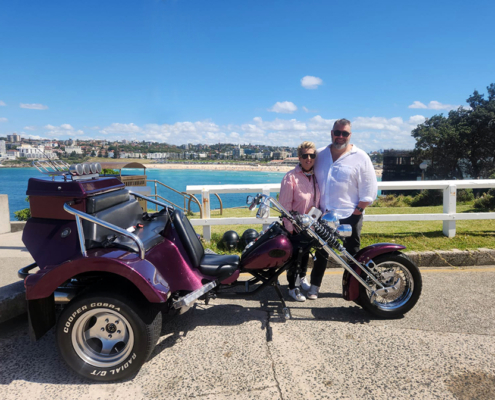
[296, 294]
[313, 292]
[305, 284]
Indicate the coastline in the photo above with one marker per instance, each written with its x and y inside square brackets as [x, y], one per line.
[231, 167]
[211, 167]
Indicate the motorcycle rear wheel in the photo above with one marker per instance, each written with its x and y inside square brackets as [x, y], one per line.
[106, 336]
[391, 268]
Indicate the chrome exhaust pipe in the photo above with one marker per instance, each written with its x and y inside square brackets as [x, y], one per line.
[189, 298]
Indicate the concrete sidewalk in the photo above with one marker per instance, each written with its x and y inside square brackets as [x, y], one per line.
[13, 256]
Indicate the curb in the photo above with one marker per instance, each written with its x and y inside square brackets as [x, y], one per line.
[13, 301]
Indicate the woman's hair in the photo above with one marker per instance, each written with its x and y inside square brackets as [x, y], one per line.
[304, 146]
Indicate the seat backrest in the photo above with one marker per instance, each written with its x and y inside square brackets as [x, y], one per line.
[188, 237]
[117, 208]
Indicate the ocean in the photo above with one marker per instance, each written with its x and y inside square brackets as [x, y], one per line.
[13, 182]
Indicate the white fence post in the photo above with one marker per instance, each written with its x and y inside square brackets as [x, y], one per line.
[449, 207]
[4, 214]
[205, 198]
[266, 191]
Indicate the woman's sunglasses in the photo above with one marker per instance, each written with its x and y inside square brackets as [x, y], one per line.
[305, 156]
[341, 133]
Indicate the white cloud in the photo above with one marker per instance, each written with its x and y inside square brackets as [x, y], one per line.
[433, 105]
[2, 103]
[30, 128]
[117, 128]
[3, 119]
[417, 119]
[34, 106]
[62, 131]
[284, 107]
[417, 104]
[311, 82]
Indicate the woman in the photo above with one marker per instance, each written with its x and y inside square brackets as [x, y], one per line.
[299, 192]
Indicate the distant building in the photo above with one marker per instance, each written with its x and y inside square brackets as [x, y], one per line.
[398, 165]
[281, 154]
[71, 149]
[14, 138]
[3, 148]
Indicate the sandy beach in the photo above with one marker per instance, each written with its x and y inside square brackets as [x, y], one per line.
[231, 167]
[223, 167]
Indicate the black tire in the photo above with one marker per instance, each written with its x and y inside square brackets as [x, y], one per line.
[105, 336]
[394, 305]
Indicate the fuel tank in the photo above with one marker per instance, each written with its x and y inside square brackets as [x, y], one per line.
[273, 249]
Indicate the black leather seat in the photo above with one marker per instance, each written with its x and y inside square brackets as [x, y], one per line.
[220, 266]
[123, 210]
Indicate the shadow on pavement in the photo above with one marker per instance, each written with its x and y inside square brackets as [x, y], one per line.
[40, 362]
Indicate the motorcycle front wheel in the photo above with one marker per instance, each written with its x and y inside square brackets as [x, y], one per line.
[393, 269]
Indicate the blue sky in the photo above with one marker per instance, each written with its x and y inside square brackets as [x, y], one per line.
[269, 72]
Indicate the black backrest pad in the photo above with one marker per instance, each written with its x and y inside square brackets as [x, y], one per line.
[188, 237]
[124, 215]
[103, 201]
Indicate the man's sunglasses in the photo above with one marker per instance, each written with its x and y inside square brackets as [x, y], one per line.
[341, 133]
[305, 156]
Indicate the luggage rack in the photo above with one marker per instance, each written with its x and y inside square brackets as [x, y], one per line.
[51, 167]
[75, 172]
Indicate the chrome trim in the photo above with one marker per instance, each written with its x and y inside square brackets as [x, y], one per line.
[149, 199]
[97, 221]
[63, 297]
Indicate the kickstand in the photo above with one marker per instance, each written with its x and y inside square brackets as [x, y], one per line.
[285, 309]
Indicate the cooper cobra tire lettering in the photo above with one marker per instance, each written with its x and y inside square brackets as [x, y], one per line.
[71, 318]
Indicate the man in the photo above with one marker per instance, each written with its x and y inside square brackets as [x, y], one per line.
[347, 182]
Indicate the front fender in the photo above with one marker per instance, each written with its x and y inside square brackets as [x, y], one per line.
[350, 285]
[127, 265]
[370, 252]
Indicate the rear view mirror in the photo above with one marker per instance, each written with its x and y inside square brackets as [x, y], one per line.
[249, 200]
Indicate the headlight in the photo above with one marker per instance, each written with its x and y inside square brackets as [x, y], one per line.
[344, 230]
[331, 219]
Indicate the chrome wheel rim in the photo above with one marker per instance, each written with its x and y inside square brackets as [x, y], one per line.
[102, 338]
[390, 273]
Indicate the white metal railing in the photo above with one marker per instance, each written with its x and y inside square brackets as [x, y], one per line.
[449, 215]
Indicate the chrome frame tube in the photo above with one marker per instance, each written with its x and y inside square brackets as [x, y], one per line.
[80, 234]
[97, 221]
[328, 249]
[364, 268]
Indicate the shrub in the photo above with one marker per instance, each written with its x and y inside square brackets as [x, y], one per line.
[465, 195]
[427, 198]
[486, 201]
[23, 215]
[391, 200]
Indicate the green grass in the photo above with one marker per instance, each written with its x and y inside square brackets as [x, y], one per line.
[415, 235]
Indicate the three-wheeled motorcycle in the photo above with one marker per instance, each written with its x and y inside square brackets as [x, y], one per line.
[113, 270]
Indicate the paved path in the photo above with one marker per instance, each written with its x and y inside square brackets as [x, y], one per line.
[331, 349]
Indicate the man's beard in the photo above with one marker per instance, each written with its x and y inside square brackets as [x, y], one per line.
[339, 146]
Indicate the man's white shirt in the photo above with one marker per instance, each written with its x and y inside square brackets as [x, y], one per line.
[345, 182]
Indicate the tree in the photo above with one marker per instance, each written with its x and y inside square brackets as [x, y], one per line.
[461, 145]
